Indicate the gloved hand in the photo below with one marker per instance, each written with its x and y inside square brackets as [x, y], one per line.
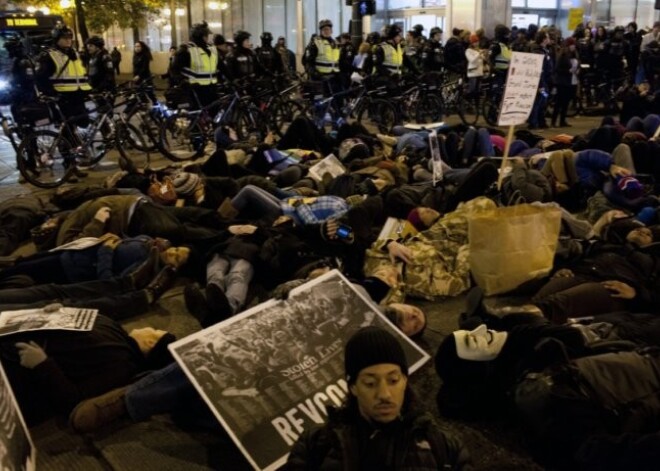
[31, 354]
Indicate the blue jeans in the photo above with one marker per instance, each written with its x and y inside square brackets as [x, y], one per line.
[233, 276]
[257, 200]
[168, 391]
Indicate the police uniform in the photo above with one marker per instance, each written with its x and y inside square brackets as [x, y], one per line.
[199, 67]
[60, 72]
[433, 56]
[269, 60]
[100, 71]
[241, 63]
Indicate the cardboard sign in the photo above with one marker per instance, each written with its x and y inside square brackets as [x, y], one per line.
[268, 373]
[522, 85]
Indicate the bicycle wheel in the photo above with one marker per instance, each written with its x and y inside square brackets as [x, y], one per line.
[181, 138]
[429, 109]
[490, 111]
[148, 128]
[125, 139]
[250, 121]
[283, 112]
[379, 113]
[45, 158]
[468, 110]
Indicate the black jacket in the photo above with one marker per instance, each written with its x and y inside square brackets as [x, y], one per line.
[347, 441]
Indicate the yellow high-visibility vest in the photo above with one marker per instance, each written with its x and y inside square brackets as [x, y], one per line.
[70, 75]
[393, 57]
[327, 59]
[503, 58]
[203, 67]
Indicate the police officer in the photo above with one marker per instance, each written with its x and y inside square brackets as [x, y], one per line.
[414, 45]
[419, 35]
[346, 56]
[433, 55]
[22, 75]
[60, 72]
[223, 49]
[241, 61]
[322, 57]
[197, 63]
[269, 60]
[100, 69]
[389, 57]
[500, 54]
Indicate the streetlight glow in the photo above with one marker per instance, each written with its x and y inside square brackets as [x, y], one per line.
[31, 9]
[214, 5]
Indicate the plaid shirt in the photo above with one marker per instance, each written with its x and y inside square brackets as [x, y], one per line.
[314, 210]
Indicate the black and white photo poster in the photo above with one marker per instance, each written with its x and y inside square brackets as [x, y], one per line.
[268, 373]
[17, 452]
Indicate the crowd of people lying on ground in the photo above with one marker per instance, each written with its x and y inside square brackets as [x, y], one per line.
[252, 215]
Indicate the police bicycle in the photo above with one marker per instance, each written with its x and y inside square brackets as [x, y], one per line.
[50, 155]
[185, 133]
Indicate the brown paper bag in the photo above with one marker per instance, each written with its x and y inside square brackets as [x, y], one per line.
[512, 245]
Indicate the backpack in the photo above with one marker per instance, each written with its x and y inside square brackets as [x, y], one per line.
[611, 393]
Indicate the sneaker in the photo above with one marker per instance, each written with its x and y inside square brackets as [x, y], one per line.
[94, 413]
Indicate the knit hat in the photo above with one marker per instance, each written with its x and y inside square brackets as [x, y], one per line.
[630, 187]
[372, 346]
[159, 355]
[185, 183]
[353, 148]
[416, 220]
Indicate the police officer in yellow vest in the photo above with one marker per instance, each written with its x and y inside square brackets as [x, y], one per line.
[60, 72]
[322, 57]
[500, 54]
[389, 59]
[196, 63]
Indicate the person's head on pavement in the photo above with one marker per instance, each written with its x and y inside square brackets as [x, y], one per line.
[377, 374]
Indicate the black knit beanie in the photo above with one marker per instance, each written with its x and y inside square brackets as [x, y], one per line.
[372, 346]
[159, 356]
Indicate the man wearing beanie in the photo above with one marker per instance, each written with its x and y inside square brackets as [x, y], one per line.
[378, 427]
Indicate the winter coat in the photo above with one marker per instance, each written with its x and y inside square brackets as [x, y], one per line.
[415, 442]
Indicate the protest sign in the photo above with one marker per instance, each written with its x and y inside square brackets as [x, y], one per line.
[522, 84]
[17, 452]
[61, 318]
[268, 373]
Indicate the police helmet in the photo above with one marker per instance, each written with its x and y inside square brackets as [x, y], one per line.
[240, 36]
[392, 31]
[373, 38]
[218, 40]
[60, 30]
[324, 23]
[418, 29]
[96, 41]
[266, 36]
[435, 31]
[199, 30]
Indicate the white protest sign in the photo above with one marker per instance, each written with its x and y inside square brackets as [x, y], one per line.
[436, 158]
[17, 452]
[268, 373]
[521, 87]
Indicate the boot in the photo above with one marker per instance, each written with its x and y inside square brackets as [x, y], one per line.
[161, 283]
[94, 413]
[227, 210]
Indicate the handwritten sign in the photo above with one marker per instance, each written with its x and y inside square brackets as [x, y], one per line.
[521, 87]
[575, 17]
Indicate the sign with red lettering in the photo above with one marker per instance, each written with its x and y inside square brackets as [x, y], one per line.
[268, 373]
